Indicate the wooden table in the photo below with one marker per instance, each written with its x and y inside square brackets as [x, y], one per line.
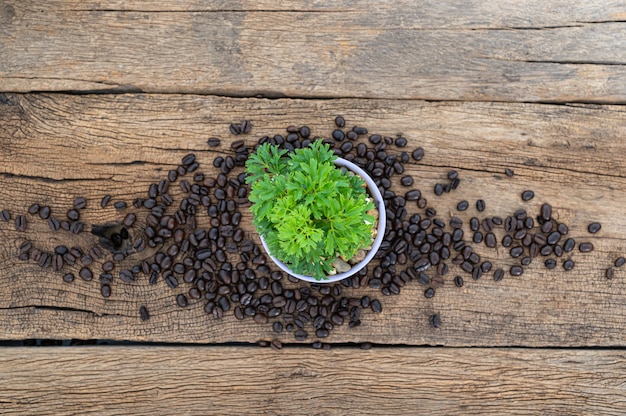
[104, 97]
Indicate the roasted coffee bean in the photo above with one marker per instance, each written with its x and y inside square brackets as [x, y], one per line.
[20, 223]
[77, 227]
[73, 214]
[550, 263]
[68, 278]
[585, 247]
[126, 276]
[569, 245]
[120, 205]
[480, 205]
[462, 206]
[213, 142]
[478, 237]
[609, 273]
[171, 281]
[376, 306]
[435, 320]
[516, 271]
[105, 201]
[407, 181]
[5, 215]
[594, 227]
[418, 154]
[338, 135]
[340, 121]
[562, 228]
[546, 227]
[546, 212]
[527, 195]
[477, 273]
[526, 261]
[105, 291]
[33, 209]
[143, 313]
[568, 264]
[498, 275]
[85, 274]
[620, 261]
[412, 195]
[181, 300]
[438, 189]
[516, 251]
[490, 240]
[553, 237]
[458, 281]
[509, 172]
[429, 293]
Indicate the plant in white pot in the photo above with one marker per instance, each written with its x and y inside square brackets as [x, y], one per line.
[320, 218]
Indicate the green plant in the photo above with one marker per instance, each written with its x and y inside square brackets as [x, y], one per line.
[308, 211]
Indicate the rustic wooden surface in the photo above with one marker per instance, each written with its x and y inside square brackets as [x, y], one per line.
[539, 88]
[237, 380]
[455, 50]
[572, 156]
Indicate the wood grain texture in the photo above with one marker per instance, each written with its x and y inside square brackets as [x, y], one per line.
[453, 50]
[56, 147]
[239, 380]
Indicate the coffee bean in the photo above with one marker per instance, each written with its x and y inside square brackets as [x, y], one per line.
[68, 278]
[568, 264]
[569, 244]
[594, 227]
[490, 240]
[105, 201]
[550, 263]
[20, 223]
[407, 181]
[553, 237]
[85, 274]
[620, 261]
[126, 276]
[516, 271]
[516, 251]
[546, 212]
[434, 320]
[129, 220]
[562, 228]
[376, 306]
[80, 203]
[73, 214]
[143, 313]
[339, 121]
[5, 215]
[429, 293]
[509, 172]
[438, 189]
[105, 290]
[458, 281]
[527, 195]
[181, 300]
[585, 247]
[480, 205]
[120, 205]
[213, 142]
[418, 154]
[33, 209]
[477, 273]
[462, 206]
[609, 273]
[498, 275]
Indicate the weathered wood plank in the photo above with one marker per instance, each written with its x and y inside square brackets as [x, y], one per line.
[228, 380]
[515, 51]
[56, 147]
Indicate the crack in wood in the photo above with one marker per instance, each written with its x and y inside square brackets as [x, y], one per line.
[59, 308]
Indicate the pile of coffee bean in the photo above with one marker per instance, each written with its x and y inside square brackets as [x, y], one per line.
[186, 233]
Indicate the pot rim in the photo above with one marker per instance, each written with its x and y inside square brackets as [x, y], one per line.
[382, 222]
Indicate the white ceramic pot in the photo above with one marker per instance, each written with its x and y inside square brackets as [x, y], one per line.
[382, 221]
